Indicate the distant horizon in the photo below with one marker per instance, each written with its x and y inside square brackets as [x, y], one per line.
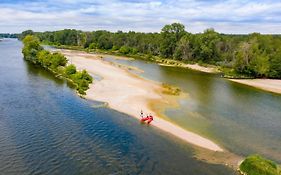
[227, 17]
[114, 31]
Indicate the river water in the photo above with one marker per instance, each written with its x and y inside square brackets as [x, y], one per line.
[242, 119]
[45, 128]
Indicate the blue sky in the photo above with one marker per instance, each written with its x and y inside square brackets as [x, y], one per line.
[225, 16]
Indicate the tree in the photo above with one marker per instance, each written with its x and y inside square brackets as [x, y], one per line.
[57, 59]
[25, 33]
[170, 35]
[104, 42]
[31, 48]
[124, 49]
[255, 55]
[275, 65]
[44, 57]
[206, 46]
[184, 50]
[261, 65]
[70, 70]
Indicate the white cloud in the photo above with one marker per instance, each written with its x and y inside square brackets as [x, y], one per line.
[229, 16]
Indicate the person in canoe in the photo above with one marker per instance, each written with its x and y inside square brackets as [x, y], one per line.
[148, 118]
[141, 114]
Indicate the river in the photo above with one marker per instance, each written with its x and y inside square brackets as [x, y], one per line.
[242, 119]
[45, 128]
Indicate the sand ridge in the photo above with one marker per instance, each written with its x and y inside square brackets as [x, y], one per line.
[128, 93]
[271, 85]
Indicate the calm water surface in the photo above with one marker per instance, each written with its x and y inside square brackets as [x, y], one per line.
[243, 119]
[46, 129]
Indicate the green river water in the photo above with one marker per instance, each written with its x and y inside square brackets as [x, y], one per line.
[242, 119]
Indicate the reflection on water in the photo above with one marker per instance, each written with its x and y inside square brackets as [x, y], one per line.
[46, 129]
[243, 119]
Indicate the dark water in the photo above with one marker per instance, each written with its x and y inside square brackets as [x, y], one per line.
[243, 119]
[46, 129]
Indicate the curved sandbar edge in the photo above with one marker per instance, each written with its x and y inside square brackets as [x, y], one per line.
[128, 93]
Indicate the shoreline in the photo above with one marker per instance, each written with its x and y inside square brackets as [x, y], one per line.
[160, 61]
[273, 85]
[270, 85]
[195, 67]
[118, 87]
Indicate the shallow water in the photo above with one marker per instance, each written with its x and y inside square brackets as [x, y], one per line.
[45, 128]
[243, 119]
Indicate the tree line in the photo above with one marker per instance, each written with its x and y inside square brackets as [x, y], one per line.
[253, 55]
[55, 62]
[9, 35]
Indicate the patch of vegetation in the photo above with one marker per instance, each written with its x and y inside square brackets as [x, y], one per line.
[257, 165]
[231, 73]
[170, 90]
[254, 55]
[56, 63]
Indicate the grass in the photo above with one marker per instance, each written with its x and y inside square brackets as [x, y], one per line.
[257, 165]
[232, 74]
[170, 90]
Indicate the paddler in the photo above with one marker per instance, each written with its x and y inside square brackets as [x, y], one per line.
[141, 114]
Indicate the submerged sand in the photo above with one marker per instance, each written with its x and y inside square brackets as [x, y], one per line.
[270, 85]
[129, 93]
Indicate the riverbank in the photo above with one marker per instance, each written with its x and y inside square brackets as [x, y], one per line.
[128, 93]
[196, 66]
[270, 85]
[161, 61]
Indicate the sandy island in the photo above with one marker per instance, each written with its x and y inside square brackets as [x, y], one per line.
[270, 85]
[128, 93]
[201, 68]
[197, 67]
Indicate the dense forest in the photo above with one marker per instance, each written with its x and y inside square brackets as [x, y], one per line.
[253, 55]
[56, 63]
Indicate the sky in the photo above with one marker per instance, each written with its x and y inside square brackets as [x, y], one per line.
[225, 16]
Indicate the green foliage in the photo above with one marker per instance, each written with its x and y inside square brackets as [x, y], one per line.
[56, 62]
[170, 35]
[70, 70]
[57, 59]
[51, 60]
[253, 55]
[170, 90]
[82, 81]
[184, 49]
[31, 48]
[256, 165]
[275, 65]
[124, 50]
[92, 46]
[44, 58]
[25, 33]
[261, 65]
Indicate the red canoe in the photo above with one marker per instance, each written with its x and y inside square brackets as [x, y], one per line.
[148, 119]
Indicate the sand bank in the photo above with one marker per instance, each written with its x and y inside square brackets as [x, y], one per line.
[201, 68]
[196, 67]
[128, 93]
[270, 85]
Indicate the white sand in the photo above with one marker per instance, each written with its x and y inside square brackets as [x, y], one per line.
[128, 93]
[196, 67]
[201, 68]
[264, 84]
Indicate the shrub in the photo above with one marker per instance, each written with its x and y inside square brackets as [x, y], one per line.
[70, 70]
[56, 63]
[257, 165]
[124, 50]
